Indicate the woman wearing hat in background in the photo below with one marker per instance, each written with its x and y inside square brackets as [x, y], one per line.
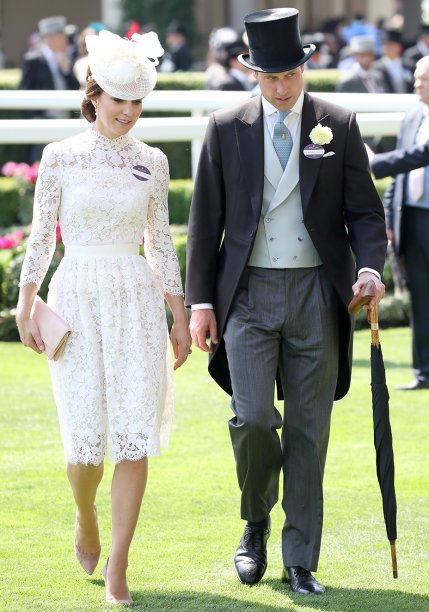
[113, 382]
[284, 214]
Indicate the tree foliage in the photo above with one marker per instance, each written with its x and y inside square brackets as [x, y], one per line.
[159, 13]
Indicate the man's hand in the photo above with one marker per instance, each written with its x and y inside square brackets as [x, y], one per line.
[363, 280]
[203, 321]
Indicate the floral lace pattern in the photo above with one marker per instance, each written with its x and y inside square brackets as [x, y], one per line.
[114, 381]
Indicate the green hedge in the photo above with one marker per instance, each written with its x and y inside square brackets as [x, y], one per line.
[316, 80]
[179, 201]
[9, 201]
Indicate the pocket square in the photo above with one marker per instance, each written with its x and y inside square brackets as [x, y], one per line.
[53, 330]
[329, 153]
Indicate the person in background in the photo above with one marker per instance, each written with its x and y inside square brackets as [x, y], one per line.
[390, 70]
[178, 57]
[360, 77]
[285, 227]
[393, 77]
[219, 40]
[321, 59]
[237, 77]
[113, 383]
[48, 67]
[406, 203]
[413, 54]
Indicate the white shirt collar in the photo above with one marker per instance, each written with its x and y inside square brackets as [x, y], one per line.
[269, 109]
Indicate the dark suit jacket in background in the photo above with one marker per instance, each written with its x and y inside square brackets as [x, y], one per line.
[394, 196]
[36, 74]
[400, 160]
[341, 211]
[385, 80]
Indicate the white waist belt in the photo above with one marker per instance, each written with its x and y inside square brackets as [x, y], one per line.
[100, 250]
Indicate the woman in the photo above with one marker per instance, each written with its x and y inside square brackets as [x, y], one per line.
[114, 378]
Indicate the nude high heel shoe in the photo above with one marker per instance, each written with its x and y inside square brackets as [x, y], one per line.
[87, 560]
[110, 598]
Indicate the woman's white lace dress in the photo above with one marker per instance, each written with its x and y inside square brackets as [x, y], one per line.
[114, 380]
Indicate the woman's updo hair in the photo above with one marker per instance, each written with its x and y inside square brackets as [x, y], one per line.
[92, 90]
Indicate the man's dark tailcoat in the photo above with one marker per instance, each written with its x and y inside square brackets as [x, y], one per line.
[341, 211]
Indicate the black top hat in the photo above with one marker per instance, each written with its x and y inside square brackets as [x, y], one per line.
[274, 41]
[177, 27]
[236, 48]
[392, 36]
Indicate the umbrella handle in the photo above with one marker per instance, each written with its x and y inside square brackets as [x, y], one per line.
[394, 562]
[373, 320]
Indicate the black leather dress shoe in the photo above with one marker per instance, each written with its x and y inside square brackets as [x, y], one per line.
[250, 558]
[301, 581]
[414, 385]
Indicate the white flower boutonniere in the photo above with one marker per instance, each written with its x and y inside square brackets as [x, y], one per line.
[321, 135]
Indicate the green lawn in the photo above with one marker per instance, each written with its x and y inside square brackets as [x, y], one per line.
[189, 527]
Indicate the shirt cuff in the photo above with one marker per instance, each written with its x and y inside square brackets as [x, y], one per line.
[369, 270]
[205, 306]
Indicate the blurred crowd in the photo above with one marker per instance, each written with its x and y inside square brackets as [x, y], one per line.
[372, 58]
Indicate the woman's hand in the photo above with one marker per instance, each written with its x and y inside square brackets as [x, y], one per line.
[29, 333]
[180, 339]
[28, 329]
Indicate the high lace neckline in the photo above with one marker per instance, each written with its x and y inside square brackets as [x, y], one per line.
[109, 143]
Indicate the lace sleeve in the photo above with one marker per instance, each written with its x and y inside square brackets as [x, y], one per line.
[158, 243]
[41, 243]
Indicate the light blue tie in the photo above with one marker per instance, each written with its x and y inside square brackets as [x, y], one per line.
[282, 138]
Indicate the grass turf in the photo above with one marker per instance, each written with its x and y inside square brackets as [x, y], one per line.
[181, 558]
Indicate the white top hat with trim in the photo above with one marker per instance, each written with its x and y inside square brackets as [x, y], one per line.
[52, 25]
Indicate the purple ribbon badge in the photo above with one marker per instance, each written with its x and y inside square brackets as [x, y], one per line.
[141, 173]
[313, 151]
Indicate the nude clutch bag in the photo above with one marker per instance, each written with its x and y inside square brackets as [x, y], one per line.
[53, 330]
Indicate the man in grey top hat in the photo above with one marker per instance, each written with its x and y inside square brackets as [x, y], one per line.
[285, 227]
[48, 67]
[361, 77]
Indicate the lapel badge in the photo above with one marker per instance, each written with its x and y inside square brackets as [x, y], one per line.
[313, 151]
[141, 172]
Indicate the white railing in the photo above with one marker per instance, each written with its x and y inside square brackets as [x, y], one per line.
[200, 100]
[377, 114]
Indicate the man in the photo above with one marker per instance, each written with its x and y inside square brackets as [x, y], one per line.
[391, 72]
[236, 75]
[178, 57]
[413, 54]
[321, 58]
[361, 77]
[406, 204]
[48, 67]
[270, 275]
[392, 76]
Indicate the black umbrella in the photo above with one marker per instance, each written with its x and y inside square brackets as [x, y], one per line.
[382, 430]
